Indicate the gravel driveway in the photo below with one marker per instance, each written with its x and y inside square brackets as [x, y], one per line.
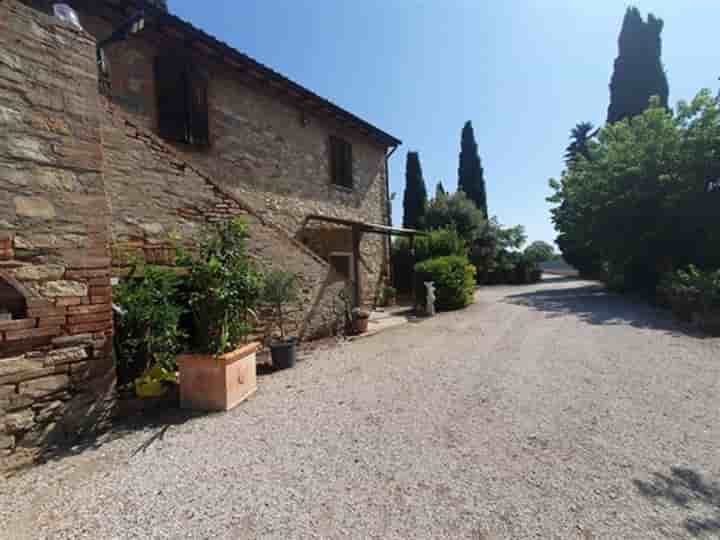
[545, 411]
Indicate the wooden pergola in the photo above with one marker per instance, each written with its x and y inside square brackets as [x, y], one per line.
[358, 228]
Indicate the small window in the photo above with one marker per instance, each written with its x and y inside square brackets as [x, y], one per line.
[341, 162]
[182, 94]
[342, 264]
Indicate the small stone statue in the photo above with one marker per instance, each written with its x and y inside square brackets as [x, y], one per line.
[430, 299]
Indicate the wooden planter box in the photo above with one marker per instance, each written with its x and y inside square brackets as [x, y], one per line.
[217, 383]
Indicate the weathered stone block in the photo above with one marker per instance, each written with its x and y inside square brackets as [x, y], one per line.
[19, 421]
[17, 364]
[59, 288]
[34, 207]
[7, 442]
[65, 356]
[39, 388]
[72, 340]
[14, 402]
[40, 272]
[7, 390]
[41, 435]
[48, 411]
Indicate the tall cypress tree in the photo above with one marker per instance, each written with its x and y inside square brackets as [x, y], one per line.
[415, 197]
[440, 190]
[470, 171]
[579, 137]
[639, 72]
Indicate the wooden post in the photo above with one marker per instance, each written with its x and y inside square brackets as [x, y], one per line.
[412, 268]
[357, 292]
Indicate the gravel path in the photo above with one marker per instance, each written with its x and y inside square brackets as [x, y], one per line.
[545, 411]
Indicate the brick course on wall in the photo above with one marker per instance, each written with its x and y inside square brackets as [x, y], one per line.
[56, 372]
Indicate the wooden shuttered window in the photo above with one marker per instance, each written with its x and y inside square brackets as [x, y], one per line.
[182, 101]
[341, 162]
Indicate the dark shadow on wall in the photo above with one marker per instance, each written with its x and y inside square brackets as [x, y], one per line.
[687, 489]
[330, 322]
[594, 304]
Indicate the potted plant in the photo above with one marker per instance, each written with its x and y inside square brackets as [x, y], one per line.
[389, 296]
[223, 289]
[361, 318]
[281, 288]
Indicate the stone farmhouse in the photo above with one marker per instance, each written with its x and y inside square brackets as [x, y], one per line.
[124, 137]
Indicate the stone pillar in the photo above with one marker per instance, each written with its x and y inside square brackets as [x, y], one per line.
[56, 371]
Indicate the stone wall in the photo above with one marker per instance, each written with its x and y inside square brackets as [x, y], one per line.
[158, 199]
[86, 184]
[56, 372]
[265, 150]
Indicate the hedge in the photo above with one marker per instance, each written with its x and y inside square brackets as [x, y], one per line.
[440, 243]
[454, 279]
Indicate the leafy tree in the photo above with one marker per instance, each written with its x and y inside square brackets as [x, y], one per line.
[457, 212]
[579, 139]
[640, 207]
[415, 197]
[639, 72]
[540, 251]
[470, 172]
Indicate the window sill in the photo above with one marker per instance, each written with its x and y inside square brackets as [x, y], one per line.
[343, 189]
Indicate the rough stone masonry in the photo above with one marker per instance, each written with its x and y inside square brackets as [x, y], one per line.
[56, 371]
[86, 182]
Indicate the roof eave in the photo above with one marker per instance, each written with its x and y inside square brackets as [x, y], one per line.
[295, 90]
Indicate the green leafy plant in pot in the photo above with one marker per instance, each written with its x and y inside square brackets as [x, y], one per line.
[223, 288]
[282, 288]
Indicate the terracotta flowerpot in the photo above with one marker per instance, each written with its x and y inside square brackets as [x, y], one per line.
[217, 383]
[361, 324]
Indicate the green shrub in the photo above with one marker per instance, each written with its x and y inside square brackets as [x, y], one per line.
[439, 243]
[224, 288]
[691, 290]
[148, 330]
[281, 288]
[454, 279]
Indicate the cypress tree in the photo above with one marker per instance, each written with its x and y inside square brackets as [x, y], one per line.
[639, 72]
[415, 197]
[470, 171]
[579, 137]
[162, 4]
[440, 190]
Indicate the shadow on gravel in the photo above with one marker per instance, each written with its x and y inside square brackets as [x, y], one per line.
[593, 304]
[155, 423]
[687, 489]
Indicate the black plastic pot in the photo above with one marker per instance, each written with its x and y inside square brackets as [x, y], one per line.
[284, 353]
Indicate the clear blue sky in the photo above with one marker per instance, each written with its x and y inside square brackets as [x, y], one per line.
[524, 71]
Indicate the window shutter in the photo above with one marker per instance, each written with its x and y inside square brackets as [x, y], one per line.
[199, 109]
[341, 162]
[348, 164]
[172, 98]
[334, 160]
